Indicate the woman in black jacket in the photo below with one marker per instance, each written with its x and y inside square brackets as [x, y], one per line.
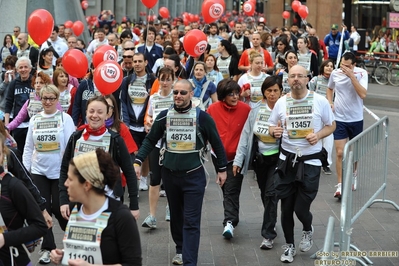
[17, 205]
[94, 135]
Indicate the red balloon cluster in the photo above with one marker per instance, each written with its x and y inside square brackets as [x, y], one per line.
[195, 42]
[85, 4]
[295, 5]
[149, 3]
[212, 10]
[249, 8]
[164, 12]
[92, 21]
[40, 25]
[75, 63]
[303, 11]
[108, 77]
[142, 13]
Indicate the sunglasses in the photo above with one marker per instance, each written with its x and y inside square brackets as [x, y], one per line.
[130, 48]
[175, 92]
[127, 56]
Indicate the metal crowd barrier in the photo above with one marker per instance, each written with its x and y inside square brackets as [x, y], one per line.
[367, 154]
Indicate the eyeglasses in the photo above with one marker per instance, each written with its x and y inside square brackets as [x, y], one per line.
[300, 76]
[181, 92]
[45, 99]
[232, 94]
[130, 48]
[127, 56]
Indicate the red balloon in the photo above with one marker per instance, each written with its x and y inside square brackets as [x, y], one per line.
[186, 22]
[149, 18]
[40, 25]
[68, 24]
[164, 12]
[108, 77]
[212, 10]
[195, 42]
[104, 53]
[196, 18]
[149, 3]
[231, 24]
[295, 5]
[85, 5]
[248, 8]
[286, 15]
[78, 27]
[303, 11]
[75, 63]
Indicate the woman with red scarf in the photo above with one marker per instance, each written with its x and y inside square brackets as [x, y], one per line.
[95, 135]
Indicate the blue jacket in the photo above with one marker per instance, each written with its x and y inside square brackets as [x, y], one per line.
[151, 56]
[333, 43]
[84, 92]
[128, 115]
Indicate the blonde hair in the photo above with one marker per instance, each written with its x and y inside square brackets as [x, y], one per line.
[50, 88]
[254, 54]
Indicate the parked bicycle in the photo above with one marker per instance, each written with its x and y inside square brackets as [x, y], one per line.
[379, 71]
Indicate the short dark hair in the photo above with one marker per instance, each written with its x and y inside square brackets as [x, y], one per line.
[349, 56]
[270, 82]
[226, 86]
[56, 29]
[152, 29]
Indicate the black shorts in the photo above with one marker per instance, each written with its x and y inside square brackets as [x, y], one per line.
[138, 137]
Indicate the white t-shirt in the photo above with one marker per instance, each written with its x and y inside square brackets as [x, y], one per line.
[322, 116]
[348, 106]
[158, 63]
[47, 163]
[356, 39]
[95, 44]
[244, 79]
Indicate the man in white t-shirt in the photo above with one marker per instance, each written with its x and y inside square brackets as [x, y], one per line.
[97, 42]
[349, 83]
[301, 119]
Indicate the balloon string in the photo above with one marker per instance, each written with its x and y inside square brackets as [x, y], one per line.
[38, 60]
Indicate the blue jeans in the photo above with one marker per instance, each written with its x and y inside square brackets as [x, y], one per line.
[185, 193]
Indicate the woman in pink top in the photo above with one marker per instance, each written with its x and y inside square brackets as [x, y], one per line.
[33, 105]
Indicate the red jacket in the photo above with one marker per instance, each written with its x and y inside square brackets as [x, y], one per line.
[229, 123]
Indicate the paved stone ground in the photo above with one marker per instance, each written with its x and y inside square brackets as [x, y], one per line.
[377, 229]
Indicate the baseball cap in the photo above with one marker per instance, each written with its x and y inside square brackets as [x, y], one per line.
[334, 26]
[157, 22]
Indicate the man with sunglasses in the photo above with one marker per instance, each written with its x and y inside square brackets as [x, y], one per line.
[185, 132]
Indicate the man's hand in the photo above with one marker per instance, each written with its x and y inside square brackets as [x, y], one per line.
[348, 72]
[136, 214]
[137, 169]
[236, 169]
[312, 138]
[65, 212]
[56, 256]
[221, 178]
[278, 130]
[47, 218]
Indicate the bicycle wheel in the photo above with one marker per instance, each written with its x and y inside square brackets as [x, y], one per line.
[381, 75]
[393, 77]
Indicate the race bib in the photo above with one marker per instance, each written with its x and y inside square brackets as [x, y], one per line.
[299, 120]
[46, 133]
[261, 126]
[83, 146]
[181, 131]
[138, 93]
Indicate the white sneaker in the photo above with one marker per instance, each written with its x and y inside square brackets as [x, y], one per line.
[266, 244]
[162, 193]
[45, 256]
[306, 241]
[143, 183]
[289, 253]
[177, 259]
[228, 231]
[337, 193]
[354, 184]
